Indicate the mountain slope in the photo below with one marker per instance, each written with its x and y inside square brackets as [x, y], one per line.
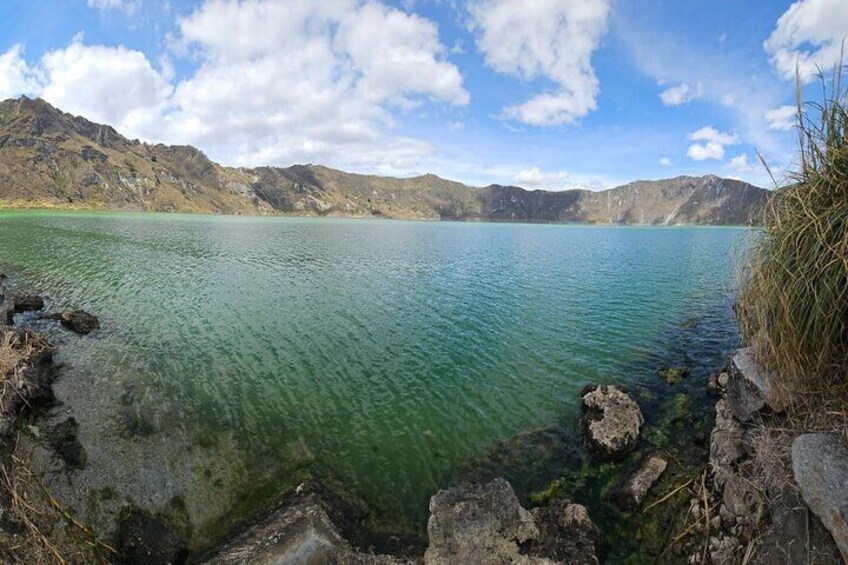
[48, 157]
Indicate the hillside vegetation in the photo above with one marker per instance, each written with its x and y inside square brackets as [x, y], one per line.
[52, 159]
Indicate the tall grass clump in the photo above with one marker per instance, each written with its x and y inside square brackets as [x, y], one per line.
[793, 303]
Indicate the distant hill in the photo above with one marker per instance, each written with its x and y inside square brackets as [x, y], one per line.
[50, 158]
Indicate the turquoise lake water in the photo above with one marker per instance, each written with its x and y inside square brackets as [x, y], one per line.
[381, 355]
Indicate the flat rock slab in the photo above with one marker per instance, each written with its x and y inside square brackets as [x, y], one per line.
[820, 465]
[612, 419]
[634, 490]
[751, 388]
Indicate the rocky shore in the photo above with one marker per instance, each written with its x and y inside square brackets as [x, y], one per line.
[727, 507]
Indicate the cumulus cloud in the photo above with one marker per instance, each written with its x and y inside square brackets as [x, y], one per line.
[740, 164]
[15, 75]
[550, 39]
[710, 143]
[782, 118]
[534, 177]
[680, 94]
[807, 36]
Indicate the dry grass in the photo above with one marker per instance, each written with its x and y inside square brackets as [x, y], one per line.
[793, 304]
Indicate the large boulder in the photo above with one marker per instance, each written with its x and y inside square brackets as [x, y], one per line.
[751, 388]
[820, 466]
[79, 321]
[612, 420]
[479, 524]
[635, 488]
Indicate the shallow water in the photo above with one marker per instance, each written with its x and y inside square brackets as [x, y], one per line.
[238, 354]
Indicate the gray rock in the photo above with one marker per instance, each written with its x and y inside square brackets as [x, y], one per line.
[612, 420]
[750, 388]
[479, 524]
[742, 499]
[723, 379]
[636, 487]
[820, 465]
[300, 532]
[79, 321]
[725, 442]
[566, 533]
[27, 303]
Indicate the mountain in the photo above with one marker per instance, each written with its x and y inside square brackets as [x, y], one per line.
[50, 158]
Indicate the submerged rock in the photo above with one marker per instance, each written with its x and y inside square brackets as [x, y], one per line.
[750, 388]
[820, 466]
[143, 538]
[635, 488]
[63, 439]
[566, 533]
[673, 375]
[79, 321]
[612, 419]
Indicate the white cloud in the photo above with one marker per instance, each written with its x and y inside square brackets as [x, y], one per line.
[807, 36]
[546, 38]
[113, 85]
[665, 162]
[534, 177]
[782, 118]
[330, 98]
[127, 6]
[710, 143]
[16, 77]
[740, 164]
[680, 94]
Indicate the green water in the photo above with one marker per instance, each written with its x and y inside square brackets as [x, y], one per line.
[381, 355]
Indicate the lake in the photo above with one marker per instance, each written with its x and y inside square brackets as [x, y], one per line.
[239, 355]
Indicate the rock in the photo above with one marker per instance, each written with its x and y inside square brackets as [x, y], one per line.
[793, 535]
[712, 386]
[27, 303]
[725, 442]
[143, 538]
[479, 524]
[742, 500]
[820, 466]
[723, 379]
[635, 488]
[299, 531]
[79, 321]
[750, 388]
[612, 420]
[725, 550]
[566, 533]
[63, 439]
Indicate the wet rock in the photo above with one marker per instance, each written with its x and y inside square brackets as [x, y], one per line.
[27, 303]
[63, 439]
[820, 466]
[723, 379]
[612, 420]
[725, 442]
[750, 388]
[79, 321]
[712, 386]
[566, 533]
[143, 538]
[479, 524]
[635, 488]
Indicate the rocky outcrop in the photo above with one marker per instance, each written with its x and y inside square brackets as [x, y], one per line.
[820, 466]
[725, 443]
[486, 524]
[612, 420]
[635, 488]
[751, 388]
[79, 321]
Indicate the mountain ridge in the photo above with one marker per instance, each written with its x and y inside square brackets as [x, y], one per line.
[52, 158]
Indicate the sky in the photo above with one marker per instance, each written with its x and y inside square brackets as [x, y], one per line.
[551, 94]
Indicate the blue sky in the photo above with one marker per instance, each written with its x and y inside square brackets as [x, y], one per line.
[543, 94]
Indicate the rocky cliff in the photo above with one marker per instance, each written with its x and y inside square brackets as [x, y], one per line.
[50, 158]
